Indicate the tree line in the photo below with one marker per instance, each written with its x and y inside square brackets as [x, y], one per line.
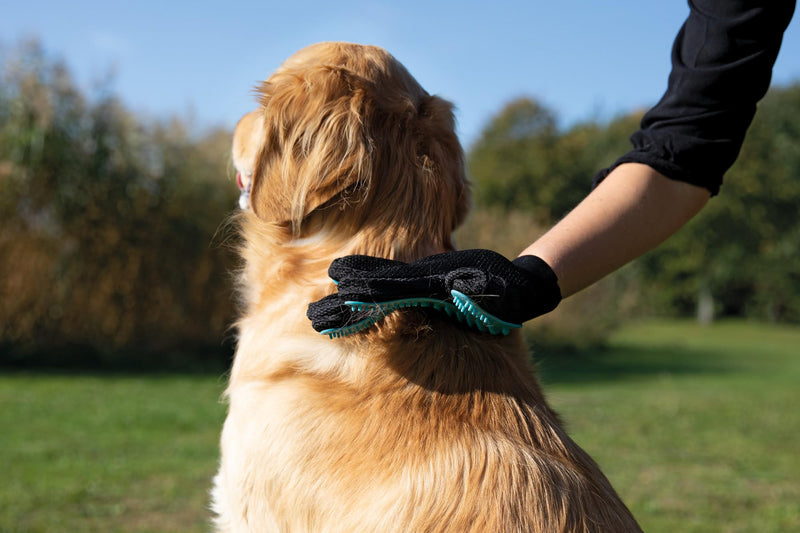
[107, 225]
[114, 247]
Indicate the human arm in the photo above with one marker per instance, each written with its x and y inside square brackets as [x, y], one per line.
[722, 62]
[632, 211]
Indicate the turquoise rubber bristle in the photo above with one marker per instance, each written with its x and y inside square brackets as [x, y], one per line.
[361, 325]
[379, 310]
[463, 309]
[479, 318]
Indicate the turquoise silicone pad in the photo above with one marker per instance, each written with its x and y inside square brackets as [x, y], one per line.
[485, 321]
[462, 308]
[359, 326]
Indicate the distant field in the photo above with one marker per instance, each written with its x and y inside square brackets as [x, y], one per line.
[696, 427]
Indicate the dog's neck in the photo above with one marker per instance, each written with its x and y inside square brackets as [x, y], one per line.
[278, 263]
[283, 273]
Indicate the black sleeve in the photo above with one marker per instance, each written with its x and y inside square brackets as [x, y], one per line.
[722, 63]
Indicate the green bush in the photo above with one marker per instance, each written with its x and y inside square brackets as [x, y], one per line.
[107, 223]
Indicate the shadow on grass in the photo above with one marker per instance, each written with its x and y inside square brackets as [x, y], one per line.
[554, 365]
[83, 360]
[620, 363]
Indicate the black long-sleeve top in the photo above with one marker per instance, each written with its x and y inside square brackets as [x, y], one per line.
[722, 63]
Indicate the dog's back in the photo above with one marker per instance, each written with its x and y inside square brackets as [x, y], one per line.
[417, 424]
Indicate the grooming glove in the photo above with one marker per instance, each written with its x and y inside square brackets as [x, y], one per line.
[513, 291]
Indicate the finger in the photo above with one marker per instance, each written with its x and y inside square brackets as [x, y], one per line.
[329, 312]
[359, 265]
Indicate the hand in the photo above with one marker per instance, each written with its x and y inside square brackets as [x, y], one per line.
[512, 291]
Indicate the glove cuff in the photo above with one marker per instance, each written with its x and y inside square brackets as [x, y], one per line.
[548, 293]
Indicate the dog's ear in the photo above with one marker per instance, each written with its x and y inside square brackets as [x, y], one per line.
[442, 160]
[313, 147]
[422, 187]
[248, 137]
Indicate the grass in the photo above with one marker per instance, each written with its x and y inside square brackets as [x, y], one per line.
[89, 453]
[696, 427]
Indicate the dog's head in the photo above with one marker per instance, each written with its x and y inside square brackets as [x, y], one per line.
[346, 139]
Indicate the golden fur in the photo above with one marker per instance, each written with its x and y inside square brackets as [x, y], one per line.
[417, 425]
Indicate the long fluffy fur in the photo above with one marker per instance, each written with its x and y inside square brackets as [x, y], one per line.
[418, 424]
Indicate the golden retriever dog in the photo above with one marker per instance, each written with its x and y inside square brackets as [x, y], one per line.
[418, 424]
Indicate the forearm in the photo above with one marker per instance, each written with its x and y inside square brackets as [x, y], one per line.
[632, 211]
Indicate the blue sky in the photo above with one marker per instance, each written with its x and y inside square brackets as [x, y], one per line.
[584, 59]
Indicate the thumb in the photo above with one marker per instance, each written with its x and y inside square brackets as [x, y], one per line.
[470, 281]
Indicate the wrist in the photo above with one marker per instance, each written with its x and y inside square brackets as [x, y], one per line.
[545, 293]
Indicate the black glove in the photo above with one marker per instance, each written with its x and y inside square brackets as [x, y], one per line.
[514, 291]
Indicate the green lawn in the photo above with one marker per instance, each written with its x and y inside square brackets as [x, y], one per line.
[83, 453]
[698, 429]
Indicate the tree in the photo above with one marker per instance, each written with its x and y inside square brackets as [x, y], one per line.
[511, 162]
[743, 251]
[523, 161]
